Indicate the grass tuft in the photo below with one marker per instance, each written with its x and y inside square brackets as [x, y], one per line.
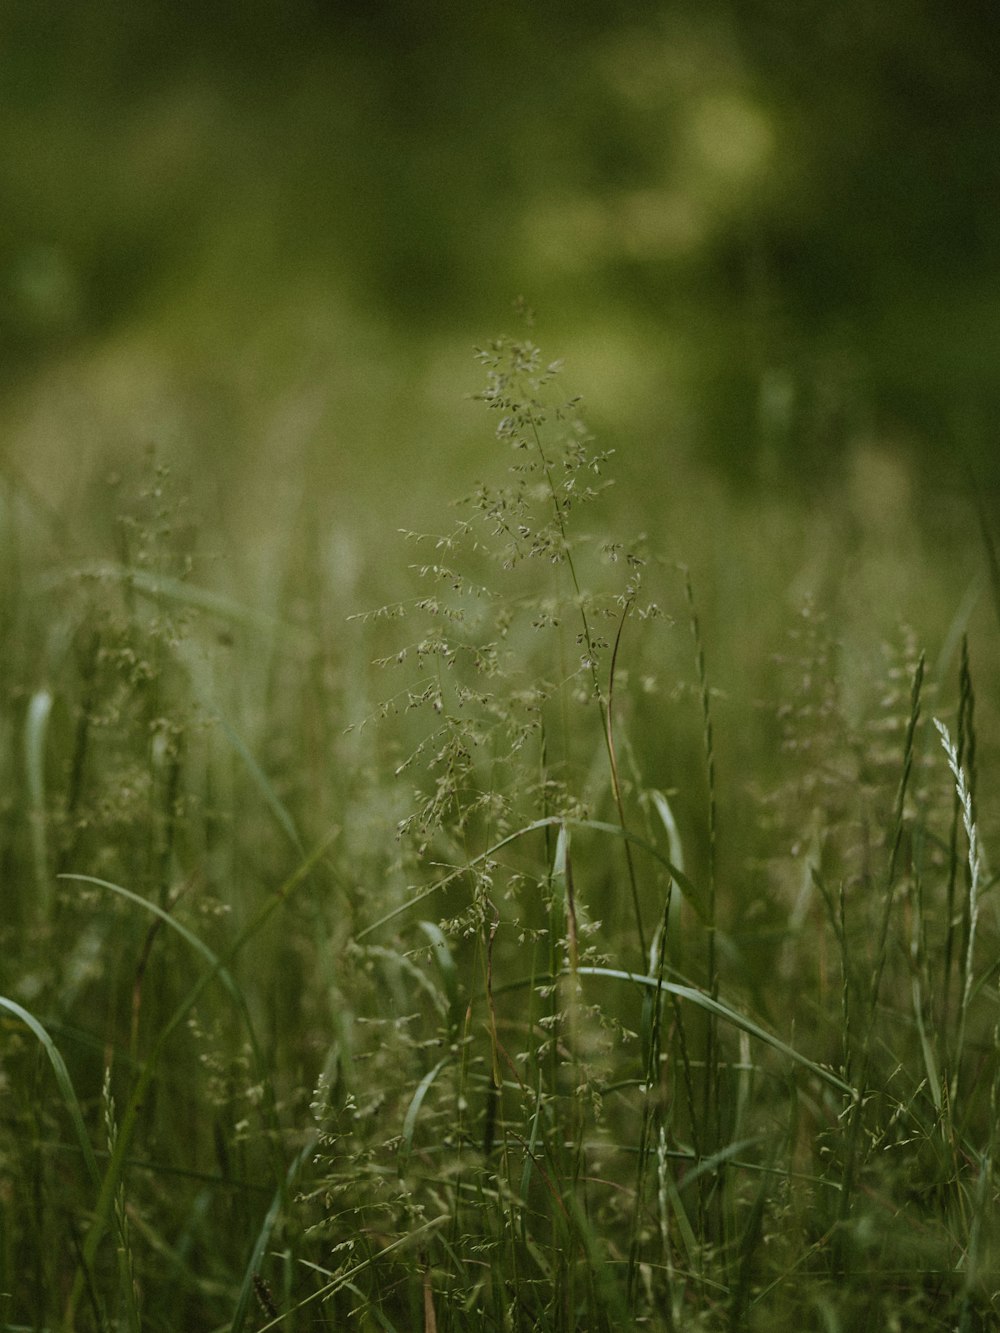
[601, 999]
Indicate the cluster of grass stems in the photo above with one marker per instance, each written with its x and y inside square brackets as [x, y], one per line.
[400, 999]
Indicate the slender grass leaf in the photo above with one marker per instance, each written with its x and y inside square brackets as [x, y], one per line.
[281, 1196]
[62, 1079]
[261, 780]
[161, 588]
[690, 891]
[416, 1102]
[670, 824]
[345, 1279]
[529, 1158]
[130, 1118]
[187, 935]
[445, 961]
[732, 1016]
[372, 1311]
[36, 729]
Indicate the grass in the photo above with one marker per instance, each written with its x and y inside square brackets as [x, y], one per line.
[399, 997]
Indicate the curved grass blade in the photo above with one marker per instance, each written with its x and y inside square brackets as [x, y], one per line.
[690, 891]
[198, 944]
[161, 588]
[413, 1110]
[695, 896]
[344, 1279]
[731, 1016]
[445, 961]
[130, 1118]
[62, 1079]
[372, 1311]
[263, 783]
[670, 824]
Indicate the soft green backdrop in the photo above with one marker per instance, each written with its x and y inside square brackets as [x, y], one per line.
[759, 228]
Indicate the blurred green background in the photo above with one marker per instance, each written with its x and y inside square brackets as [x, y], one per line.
[263, 238]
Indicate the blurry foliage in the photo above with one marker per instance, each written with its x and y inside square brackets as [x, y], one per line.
[796, 202]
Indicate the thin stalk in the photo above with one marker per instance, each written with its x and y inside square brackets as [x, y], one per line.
[965, 737]
[857, 1111]
[603, 701]
[972, 907]
[706, 709]
[136, 1102]
[652, 1115]
[711, 1107]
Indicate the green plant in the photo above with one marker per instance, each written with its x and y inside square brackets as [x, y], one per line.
[520, 1039]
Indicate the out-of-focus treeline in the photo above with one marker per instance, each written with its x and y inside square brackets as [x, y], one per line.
[792, 209]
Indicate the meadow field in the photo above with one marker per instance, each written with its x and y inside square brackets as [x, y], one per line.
[515, 921]
[497, 809]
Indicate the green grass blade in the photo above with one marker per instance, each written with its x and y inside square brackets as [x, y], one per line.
[413, 1110]
[670, 824]
[264, 1235]
[345, 1279]
[161, 588]
[136, 1101]
[187, 935]
[691, 892]
[63, 1080]
[261, 781]
[445, 961]
[36, 728]
[729, 1015]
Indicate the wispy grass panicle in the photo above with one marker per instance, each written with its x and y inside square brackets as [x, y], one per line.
[964, 795]
[558, 1055]
[958, 921]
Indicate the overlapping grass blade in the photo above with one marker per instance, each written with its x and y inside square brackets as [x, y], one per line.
[279, 1201]
[130, 1118]
[732, 1016]
[690, 891]
[63, 1081]
[162, 588]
